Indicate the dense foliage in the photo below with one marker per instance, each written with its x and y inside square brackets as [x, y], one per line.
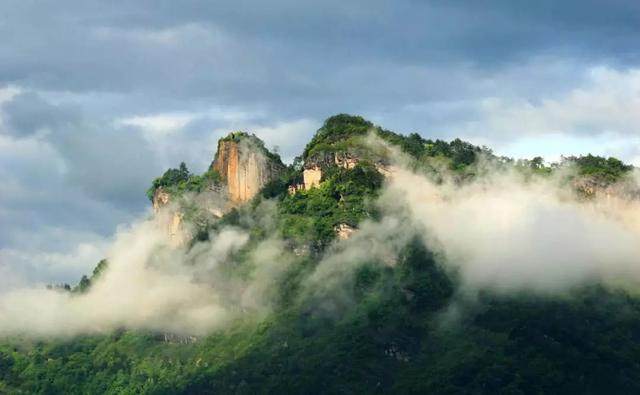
[180, 180]
[343, 198]
[404, 328]
[336, 133]
[606, 170]
[396, 339]
[345, 133]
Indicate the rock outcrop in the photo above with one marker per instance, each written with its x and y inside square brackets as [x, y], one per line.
[171, 219]
[244, 166]
[160, 199]
[312, 177]
[315, 166]
[344, 231]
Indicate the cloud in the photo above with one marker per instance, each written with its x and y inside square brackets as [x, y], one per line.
[287, 137]
[150, 285]
[507, 234]
[24, 267]
[97, 155]
[607, 103]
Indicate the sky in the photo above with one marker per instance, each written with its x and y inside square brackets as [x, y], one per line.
[97, 98]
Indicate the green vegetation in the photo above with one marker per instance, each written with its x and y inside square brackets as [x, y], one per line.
[402, 329]
[606, 170]
[85, 282]
[344, 197]
[336, 134]
[345, 133]
[393, 339]
[180, 180]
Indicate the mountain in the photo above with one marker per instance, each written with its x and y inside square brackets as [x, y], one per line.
[242, 166]
[331, 286]
[245, 165]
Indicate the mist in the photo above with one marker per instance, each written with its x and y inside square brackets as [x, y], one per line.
[151, 284]
[506, 232]
[503, 231]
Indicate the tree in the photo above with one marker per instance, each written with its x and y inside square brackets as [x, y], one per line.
[537, 163]
[84, 284]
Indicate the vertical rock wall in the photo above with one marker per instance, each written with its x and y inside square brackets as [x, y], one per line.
[312, 177]
[170, 218]
[244, 168]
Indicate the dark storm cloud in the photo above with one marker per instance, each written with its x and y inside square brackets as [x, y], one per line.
[245, 52]
[110, 163]
[79, 144]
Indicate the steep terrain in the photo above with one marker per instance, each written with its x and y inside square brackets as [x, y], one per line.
[362, 305]
[245, 165]
[242, 166]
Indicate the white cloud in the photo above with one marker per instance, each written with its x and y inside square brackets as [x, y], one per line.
[35, 266]
[507, 234]
[608, 102]
[7, 93]
[288, 136]
[160, 125]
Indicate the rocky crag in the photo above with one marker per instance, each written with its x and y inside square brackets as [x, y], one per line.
[171, 220]
[242, 166]
[245, 166]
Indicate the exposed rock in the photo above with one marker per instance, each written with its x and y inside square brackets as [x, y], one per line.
[160, 199]
[312, 177]
[244, 168]
[176, 231]
[344, 231]
[591, 187]
[178, 339]
[216, 212]
[170, 219]
[313, 168]
[345, 160]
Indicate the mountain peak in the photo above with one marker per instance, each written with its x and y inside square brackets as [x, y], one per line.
[335, 130]
[245, 164]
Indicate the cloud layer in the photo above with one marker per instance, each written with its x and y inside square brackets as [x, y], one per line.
[506, 234]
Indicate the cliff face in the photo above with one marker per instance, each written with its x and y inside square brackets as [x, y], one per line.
[315, 165]
[244, 168]
[160, 199]
[171, 220]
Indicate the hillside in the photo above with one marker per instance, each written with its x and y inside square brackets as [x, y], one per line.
[336, 285]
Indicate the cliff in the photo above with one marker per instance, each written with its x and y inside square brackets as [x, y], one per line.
[245, 166]
[171, 220]
[242, 166]
[316, 165]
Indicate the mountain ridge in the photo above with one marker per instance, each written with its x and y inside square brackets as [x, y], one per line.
[360, 304]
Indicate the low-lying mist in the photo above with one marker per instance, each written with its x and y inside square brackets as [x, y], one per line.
[508, 232]
[151, 284]
[504, 231]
